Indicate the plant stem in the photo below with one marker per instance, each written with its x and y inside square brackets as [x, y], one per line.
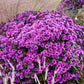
[44, 79]
[19, 80]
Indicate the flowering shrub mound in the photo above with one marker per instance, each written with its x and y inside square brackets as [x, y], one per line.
[73, 4]
[71, 7]
[43, 47]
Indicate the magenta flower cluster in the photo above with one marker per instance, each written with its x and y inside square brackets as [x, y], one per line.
[37, 42]
[72, 4]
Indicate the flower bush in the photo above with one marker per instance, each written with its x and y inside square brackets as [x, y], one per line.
[43, 47]
[73, 4]
[71, 7]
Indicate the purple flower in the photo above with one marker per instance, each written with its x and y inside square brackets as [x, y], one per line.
[0, 81]
[32, 76]
[20, 24]
[70, 76]
[23, 82]
[17, 80]
[29, 81]
[21, 76]
[35, 47]
[19, 52]
[44, 52]
[47, 46]
[49, 75]
[54, 61]
[64, 79]
[64, 70]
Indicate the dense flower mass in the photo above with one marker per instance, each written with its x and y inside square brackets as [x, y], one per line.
[72, 4]
[42, 47]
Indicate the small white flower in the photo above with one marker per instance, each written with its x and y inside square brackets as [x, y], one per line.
[76, 18]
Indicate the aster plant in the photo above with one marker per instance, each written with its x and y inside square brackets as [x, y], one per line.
[41, 48]
[73, 4]
[70, 7]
